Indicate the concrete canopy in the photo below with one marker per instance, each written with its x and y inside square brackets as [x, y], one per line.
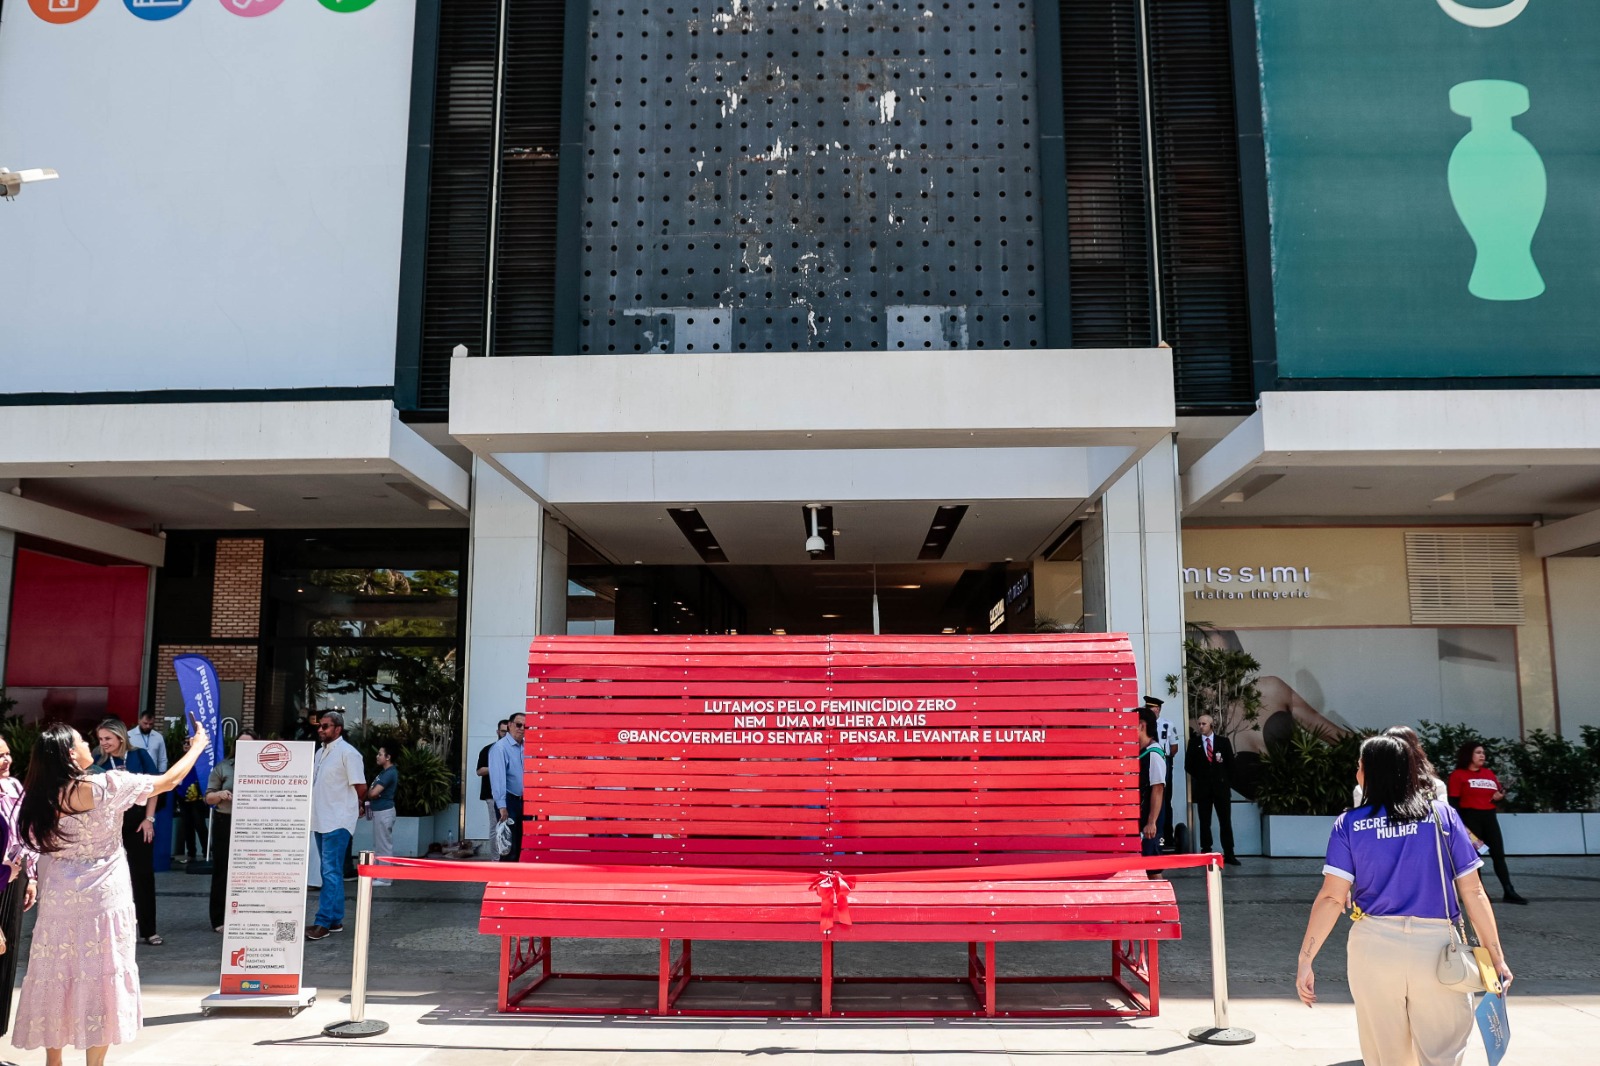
[243, 465]
[609, 441]
[1455, 454]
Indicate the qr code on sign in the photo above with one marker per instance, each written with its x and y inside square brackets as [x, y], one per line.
[287, 932]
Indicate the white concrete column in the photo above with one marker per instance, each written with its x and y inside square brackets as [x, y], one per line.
[553, 592]
[503, 609]
[8, 560]
[1133, 552]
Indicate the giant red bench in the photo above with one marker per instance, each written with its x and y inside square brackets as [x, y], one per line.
[832, 790]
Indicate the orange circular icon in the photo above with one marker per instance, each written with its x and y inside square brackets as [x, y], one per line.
[62, 11]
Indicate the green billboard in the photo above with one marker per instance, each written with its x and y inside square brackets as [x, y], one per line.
[1433, 185]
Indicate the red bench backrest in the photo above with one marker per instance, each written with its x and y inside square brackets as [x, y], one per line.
[889, 752]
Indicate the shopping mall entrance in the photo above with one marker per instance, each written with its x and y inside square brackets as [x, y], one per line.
[827, 596]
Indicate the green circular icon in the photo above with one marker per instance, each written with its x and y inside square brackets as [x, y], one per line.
[345, 5]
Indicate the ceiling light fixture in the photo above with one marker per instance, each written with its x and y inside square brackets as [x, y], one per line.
[946, 519]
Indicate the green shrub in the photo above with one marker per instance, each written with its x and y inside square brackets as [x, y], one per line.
[1307, 774]
[22, 736]
[1550, 773]
[1541, 773]
[426, 784]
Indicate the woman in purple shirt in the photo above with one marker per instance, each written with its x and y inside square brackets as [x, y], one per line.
[1384, 864]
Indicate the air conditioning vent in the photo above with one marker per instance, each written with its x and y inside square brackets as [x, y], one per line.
[1465, 579]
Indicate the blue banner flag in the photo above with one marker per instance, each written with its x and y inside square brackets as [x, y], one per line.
[197, 680]
[1495, 1025]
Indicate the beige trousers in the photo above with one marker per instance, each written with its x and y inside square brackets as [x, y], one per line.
[1405, 1016]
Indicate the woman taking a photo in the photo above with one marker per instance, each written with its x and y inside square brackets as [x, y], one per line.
[1390, 858]
[1475, 792]
[82, 985]
[138, 824]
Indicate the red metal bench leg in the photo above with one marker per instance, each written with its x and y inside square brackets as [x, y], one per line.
[988, 979]
[505, 975]
[1153, 963]
[827, 976]
[664, 977]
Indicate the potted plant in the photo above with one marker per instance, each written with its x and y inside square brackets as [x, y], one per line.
[20, 735]
[1305, 781]
[426, 786]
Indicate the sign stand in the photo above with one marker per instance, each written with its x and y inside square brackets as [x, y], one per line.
[359, 1024]
[264, 935]
[294, 1003]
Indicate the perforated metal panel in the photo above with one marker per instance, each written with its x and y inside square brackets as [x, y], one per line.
[819, 174]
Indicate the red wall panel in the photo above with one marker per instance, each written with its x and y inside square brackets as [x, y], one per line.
[76, 625]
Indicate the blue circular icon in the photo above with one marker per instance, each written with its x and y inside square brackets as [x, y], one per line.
[156, 10]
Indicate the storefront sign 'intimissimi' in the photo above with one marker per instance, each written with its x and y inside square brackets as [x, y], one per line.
[1258, 577]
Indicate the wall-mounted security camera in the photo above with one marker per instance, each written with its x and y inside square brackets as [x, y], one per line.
[815, 545]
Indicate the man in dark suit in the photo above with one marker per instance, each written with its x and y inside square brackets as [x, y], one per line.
[1209, 764]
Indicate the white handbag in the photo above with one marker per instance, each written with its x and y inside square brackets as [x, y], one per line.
[1463, 966]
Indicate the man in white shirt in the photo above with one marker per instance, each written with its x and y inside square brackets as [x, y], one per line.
[152, 741]
[505, 782]
[1166, 736]
[338, 794]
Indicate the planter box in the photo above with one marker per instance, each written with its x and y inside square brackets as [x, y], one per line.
[1543, 834]
[1591, 833]
[446, 825]
[1246, 829]
[411, 836]
[1295, 836]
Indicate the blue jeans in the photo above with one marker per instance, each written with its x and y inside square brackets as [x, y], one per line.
[330, 899]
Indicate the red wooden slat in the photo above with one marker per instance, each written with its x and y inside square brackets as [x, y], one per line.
[803, 912]
[696, 929]
[751, 689]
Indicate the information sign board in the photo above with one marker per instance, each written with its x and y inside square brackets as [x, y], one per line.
[263, 933]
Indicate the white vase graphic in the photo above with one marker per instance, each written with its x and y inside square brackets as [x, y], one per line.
[1498, 185]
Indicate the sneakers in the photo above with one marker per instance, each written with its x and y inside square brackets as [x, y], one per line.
[336, 927]
[316, 932]
[1513, 897]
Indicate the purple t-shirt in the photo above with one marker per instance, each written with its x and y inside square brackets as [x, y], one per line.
[1394, 870]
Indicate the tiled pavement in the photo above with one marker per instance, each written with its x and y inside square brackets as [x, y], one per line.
[432, 981]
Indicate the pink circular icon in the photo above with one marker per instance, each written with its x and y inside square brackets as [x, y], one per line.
[251, 8]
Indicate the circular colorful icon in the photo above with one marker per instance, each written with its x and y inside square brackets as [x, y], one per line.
[251, 8]
[62, 11]
[156, 10]
[345, 5]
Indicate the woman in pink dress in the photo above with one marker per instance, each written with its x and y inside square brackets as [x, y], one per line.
[82, 984]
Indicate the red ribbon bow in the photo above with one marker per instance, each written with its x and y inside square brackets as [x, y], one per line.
[833, 889]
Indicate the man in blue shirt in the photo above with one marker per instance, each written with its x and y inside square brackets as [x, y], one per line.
[505, 782]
